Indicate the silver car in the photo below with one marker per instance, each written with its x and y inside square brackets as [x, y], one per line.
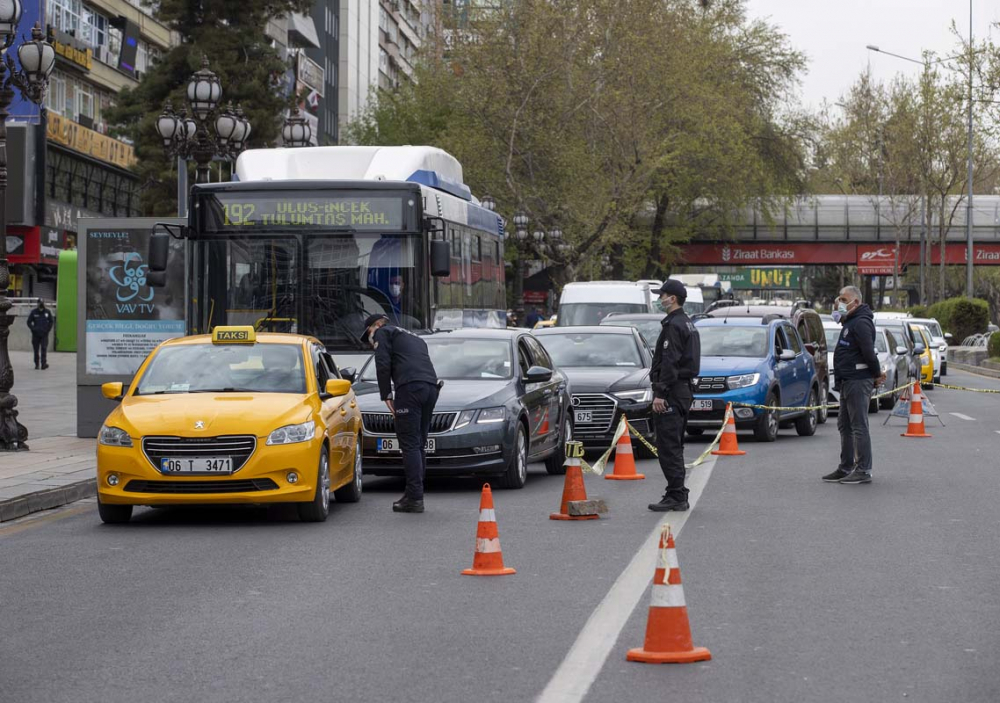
[893, 358]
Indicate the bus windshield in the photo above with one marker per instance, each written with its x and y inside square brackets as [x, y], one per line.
[319, 284]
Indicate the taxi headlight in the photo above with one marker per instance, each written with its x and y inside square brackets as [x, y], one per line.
[464, 419]
[491, 415]
[744, 381]
[292, 434]
[114, 437]
[643, 395]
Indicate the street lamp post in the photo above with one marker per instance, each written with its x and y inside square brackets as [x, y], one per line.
[209, 131]
[37, 57]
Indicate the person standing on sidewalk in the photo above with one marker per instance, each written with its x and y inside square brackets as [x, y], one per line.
[857, 372]
[402, 362]
[40, 324]
[676, 360]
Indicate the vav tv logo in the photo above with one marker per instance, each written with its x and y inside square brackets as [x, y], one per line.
[130, 277]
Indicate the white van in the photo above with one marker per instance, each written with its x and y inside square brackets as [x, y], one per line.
[587, 303]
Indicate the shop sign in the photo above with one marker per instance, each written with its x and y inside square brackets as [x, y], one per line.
[763, 278]
[876, 259]
[311, 74]
[732, 254]
[73, 51]
[94, 144]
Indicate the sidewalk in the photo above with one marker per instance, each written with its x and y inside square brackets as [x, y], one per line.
[59, 468]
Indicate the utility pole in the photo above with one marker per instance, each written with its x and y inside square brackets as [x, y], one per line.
[969, 257]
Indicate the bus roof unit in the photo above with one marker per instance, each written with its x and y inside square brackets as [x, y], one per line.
[425, 165]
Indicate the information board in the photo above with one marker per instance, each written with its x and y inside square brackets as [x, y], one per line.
[242, 210]
[764, 278]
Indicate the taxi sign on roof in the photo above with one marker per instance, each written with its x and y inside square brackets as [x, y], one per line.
[234, 335]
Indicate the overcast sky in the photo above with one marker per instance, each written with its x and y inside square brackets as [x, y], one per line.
[833, 34]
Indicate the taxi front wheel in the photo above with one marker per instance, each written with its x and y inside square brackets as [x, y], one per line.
[114, 514]
[318, 508]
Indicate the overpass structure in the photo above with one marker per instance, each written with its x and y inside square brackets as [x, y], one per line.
[854, 229]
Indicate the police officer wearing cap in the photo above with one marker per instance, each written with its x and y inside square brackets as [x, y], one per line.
[402, 362]
[676, 361]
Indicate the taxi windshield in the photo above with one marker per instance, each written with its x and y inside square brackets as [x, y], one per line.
[225, 368]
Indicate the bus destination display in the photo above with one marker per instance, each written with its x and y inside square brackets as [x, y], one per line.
[241, 210]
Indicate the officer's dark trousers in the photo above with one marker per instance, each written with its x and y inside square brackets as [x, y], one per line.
[670, 428]
[40, 345]
[414, 405]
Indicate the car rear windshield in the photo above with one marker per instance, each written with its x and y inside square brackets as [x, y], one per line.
[579, 314]
[217, 368]
[462, 359]
[732, 340]
[592, 350]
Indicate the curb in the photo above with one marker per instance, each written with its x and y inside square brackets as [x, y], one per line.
[978, 370]
[46, 499]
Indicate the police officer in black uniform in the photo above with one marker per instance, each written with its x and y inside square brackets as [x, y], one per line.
[401, 361]
[676, 361]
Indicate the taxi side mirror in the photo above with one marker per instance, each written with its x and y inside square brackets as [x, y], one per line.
[337, 387]
[112, 391]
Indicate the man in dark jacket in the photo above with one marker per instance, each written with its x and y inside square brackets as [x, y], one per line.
[402, 362]
[856, 371]
[676, 360]
[40, 323]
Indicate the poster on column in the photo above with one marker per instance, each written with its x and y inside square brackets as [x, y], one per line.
[124, 317]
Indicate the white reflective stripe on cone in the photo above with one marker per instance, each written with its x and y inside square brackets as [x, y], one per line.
[625, 448]
[667, 596]
[486, 546]
[668, 559]
[730, 428]
[487, 515]
[916, 418]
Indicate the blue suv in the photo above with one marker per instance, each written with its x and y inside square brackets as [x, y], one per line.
[758, 360]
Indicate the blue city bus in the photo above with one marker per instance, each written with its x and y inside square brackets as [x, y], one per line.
[314, 240]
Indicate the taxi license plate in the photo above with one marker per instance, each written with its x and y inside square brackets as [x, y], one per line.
[197, 465]
[584, 416]
[391, 444]
[701, 405]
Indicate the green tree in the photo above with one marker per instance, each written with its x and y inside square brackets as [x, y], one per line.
[630, 126]
[238, 51]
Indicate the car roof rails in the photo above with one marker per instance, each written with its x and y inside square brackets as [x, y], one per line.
[771, 317]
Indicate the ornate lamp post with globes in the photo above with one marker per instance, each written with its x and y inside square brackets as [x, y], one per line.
[37, 57]
[296, 132]
[209, 131]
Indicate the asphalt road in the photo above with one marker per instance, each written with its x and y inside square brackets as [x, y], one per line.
[803, 591]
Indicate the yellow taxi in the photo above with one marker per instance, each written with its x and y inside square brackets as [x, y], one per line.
[231, 417]
[926, 360]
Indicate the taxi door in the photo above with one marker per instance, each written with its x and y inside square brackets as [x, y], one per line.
[338, 420]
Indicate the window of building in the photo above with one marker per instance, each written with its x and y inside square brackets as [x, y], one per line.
[383, 60]
[65, 15]
[55, 99]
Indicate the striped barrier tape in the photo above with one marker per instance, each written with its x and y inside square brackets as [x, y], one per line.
[827, 405]
[963, 388]
[718, 437]
[599, 465]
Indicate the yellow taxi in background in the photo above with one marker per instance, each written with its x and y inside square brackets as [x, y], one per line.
[926, 360]
[235, 417]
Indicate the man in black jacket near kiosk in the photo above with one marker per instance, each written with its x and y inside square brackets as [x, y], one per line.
[857, 372]
[40, 323]
[402, 362]
[676, 361]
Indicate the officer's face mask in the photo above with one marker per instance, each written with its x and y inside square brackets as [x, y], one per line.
[395, 290]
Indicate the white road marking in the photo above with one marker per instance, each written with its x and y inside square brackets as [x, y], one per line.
[960, 416]
[583, 662]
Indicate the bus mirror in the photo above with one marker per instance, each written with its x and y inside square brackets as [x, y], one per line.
[440, 258]
[156, 279]
[159, 251]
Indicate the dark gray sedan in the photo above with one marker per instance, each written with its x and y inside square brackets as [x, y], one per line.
[608, 370]
[504, 404]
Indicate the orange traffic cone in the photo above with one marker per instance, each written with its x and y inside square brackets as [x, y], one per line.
[915, 428]
[728, 445]
[668, 633]
[573, 488]
[488, 559]
[544, 429]
[624, 467]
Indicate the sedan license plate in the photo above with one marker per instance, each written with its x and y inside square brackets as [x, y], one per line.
[391, 444]
[197, 465]
[701, 405]
[584, 416]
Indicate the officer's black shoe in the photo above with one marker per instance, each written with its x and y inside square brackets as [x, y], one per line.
[405, 505]
[836, 475]
[667, 503]
[856, 477]
[36, 367]
[45, 366]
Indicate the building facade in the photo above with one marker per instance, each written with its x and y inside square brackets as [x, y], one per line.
[65, 162]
